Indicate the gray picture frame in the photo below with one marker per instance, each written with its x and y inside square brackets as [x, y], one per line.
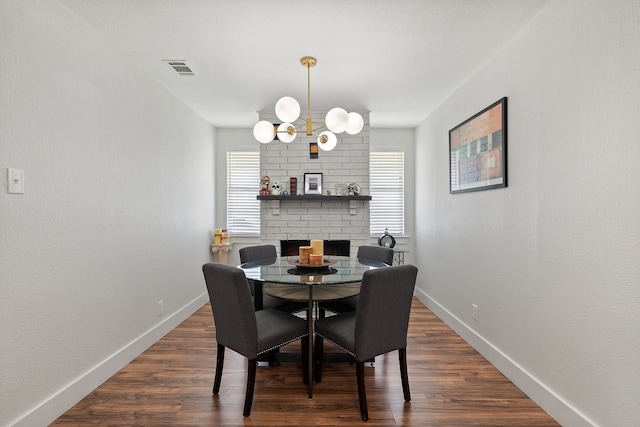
[312, 183]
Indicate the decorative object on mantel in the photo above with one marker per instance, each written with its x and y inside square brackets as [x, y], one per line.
[293, 186]
[387, 240]
[340, 189]
[265, 189]
[287, 109]
[312, 183]
[275, 188]
[353, 189]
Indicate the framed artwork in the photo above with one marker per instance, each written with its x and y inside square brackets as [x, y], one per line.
[312, 183]
[478, 151]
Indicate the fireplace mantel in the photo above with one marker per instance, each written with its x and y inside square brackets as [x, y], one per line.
[275, 200]
[314, 197]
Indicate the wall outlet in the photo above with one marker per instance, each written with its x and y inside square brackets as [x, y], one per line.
[475, 312]
[160, 308]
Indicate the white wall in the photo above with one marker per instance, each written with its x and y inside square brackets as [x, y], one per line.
[552, 260]
[116, 214]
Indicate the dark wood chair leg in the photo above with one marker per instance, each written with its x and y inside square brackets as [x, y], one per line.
[402, 356]
[305, 359]
[219, 366]
[318, 350]
[251, 381]
[271, 358]
[362, 394]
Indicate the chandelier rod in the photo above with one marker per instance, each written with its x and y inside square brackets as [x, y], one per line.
[308, 89]
[309, 61]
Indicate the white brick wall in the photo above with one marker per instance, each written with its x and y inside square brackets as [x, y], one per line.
[331, 219]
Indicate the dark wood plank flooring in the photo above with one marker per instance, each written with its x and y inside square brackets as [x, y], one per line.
[170, 385]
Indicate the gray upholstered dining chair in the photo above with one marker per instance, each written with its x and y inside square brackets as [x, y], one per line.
[267, 252]
[253, 253]
[246, 331]
[371, 253]
[376, 253]
[378, 326]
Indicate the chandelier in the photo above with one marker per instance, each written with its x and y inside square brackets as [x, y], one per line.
[287, 109]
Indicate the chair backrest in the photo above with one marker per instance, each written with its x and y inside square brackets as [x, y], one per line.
[376, 253]
[384, 305]
[233, 312]
[255, 253]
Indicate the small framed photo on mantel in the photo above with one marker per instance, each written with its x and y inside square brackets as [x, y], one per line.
[478, 151]
[312, 183]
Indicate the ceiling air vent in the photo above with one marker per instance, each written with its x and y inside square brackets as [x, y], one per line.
[180, 67]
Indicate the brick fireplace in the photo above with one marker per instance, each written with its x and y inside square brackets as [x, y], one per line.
[333, 218]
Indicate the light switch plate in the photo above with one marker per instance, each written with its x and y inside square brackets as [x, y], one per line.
[15, 181]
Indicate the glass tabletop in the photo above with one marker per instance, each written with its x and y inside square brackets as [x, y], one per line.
[285, 270]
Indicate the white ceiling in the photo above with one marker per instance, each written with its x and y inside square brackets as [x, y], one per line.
[398, 59]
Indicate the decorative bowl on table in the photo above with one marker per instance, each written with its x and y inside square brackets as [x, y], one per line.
[325, 263]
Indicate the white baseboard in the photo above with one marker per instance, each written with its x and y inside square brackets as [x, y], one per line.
[50, 409]
[553, 404]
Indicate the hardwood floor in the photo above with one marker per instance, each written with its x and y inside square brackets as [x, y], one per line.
[170, 385]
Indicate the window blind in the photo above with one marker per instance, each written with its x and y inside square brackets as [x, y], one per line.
[386, 183]
[243, 185]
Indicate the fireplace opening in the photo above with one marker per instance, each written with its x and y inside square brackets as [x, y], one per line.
[331, 247]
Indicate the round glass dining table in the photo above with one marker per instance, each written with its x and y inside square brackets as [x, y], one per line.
[284, 277]
[287, 270]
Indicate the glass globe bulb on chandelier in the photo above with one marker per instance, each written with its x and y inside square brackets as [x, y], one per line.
[287, 110]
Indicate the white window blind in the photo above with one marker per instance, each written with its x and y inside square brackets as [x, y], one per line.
[387, 192]
[243, 185]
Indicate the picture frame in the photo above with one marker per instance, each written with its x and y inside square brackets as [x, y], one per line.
[312, 183]
[478, 151]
